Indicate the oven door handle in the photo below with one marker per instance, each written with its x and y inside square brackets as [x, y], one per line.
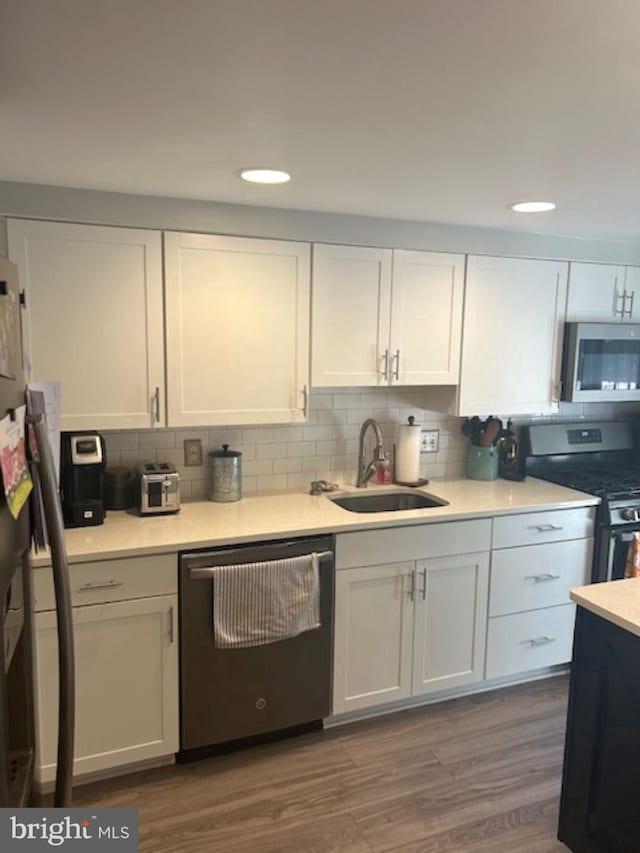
[625, 535]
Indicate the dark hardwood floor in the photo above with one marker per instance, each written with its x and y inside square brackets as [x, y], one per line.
[475, 774]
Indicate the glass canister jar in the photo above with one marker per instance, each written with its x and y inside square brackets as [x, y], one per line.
[225, 475]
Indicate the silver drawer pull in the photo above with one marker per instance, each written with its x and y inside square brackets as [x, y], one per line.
[538, 641]
[547, 576]
[545, 528]
[89, 587]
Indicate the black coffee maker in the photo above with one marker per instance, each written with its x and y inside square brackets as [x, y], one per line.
[82, 464]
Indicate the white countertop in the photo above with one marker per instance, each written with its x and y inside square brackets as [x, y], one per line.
[616, 601]
[203, 523]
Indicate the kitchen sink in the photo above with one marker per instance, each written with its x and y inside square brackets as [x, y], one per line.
[387, 501]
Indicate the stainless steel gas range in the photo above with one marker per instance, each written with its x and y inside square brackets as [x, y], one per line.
[597, 457]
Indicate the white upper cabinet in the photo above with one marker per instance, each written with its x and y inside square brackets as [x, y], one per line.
[603, 293]
[93, 319]
[383, 316]
[237, 320]
[512, 344]
[426, 318]
[350, 315]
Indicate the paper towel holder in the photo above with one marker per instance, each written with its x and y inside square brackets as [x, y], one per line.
[416, 485]
[410, 483]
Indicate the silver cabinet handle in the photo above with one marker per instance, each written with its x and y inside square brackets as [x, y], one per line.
[412, 588]
[156, 405]
[618, 312]
[538, 641]
[89, 587]
[396, 370]
[385, 371]
[171, 628]
[546, 528]
[547, 576]
[305, 402]
[630, 310]
[423, 591]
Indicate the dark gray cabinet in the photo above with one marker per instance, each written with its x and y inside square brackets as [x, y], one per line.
[599, 808]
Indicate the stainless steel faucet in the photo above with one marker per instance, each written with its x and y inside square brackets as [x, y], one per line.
[365, 472]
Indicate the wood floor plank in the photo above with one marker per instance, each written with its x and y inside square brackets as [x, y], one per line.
[462, 775]
[517, 831]
[419, 818]
[466, 717]
[330, 835]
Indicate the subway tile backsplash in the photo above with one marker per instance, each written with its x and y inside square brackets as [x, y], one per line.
[287, 458]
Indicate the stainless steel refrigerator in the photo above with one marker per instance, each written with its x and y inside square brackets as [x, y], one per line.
[17, 740]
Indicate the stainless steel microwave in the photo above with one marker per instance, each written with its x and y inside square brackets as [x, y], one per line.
[601, 362]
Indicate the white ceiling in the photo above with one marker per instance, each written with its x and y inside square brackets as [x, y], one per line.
[436, 110]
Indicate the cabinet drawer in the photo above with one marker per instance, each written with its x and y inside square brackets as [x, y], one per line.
[532, 640]
[111, 580]
[391, 544]
[538, 575]
[535, 527]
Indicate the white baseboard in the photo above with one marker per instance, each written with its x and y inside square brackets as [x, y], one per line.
[110, 773]
[432, 698]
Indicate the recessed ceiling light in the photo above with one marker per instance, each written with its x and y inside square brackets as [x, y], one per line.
[532, 206]
[264, 176]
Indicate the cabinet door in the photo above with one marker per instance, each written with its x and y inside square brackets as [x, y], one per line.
[632, 291]
[237, 330]
[373, 630]
[126, 684]
[350, 316]
[94, 319]
[450, 622]
[513, 319]
[596, 292]
[426, 318]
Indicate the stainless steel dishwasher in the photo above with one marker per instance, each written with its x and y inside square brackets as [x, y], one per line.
[230, 694]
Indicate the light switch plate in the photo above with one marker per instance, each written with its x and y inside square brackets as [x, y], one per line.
[192, 451]
[429, 440]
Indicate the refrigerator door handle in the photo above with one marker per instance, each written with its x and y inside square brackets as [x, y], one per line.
[62, 585]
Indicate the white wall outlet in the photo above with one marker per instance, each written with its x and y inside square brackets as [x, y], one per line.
[429, 440]
[192, 451]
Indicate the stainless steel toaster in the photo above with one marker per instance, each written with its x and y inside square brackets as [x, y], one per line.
[159, 488]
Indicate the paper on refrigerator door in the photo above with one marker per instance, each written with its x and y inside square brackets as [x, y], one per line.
[13, 461]
[52, 407]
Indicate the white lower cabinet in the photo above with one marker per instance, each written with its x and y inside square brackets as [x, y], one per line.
[126, 684]
[373, 636]
[410, 628]
[490, 601]
[450, 622]
[537, 558]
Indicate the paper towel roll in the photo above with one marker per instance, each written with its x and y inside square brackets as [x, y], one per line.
[408, 454]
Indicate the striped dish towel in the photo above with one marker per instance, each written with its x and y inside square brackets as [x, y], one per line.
[259, 603]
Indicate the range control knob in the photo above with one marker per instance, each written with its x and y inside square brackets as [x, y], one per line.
[630, 514]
